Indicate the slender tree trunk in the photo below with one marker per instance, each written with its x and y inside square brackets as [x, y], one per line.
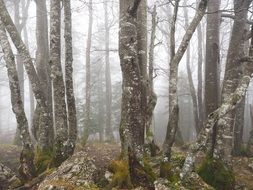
[100, 109]
[189, 74]
[61, 126]
[71, 105]
[88, 85]
[152, 98]
[172, 125]
[200, 86]
[20, 67]
[27, 169]
[108, 85]
[31, 72]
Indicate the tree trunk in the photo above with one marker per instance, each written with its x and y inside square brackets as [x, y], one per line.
[189, 74]
[88, 85]
[108, 85]
[31, 72]
[42, 67]
[212, 62]
[71, 105]
[61, 126]
[200, 86]
[176, 60]
[224, 141]
[27, 169]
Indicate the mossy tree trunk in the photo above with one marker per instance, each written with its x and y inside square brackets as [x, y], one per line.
[27, 169]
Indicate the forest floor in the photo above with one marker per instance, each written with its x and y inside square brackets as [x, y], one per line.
[104, 153]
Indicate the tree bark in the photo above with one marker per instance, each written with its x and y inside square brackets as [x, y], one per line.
[177, 58]
[224, 140]
[61, 126]
[71, 105]
[189, 74]
[42, 67]
[27, 169]
[31, 72]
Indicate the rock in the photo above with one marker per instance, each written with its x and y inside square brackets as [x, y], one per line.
[8, 180]
[75, 173]
[161, 184]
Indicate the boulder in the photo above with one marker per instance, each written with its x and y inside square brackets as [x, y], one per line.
[77, 172]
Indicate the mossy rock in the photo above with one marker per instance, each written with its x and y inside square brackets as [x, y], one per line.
[66, 185]
[216, 174]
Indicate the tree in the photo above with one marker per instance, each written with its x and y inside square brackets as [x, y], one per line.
[108, 105]
[212, 61]
[71, 105]
[175, 60]
[27, 168]
[88, 84]
[224, 139]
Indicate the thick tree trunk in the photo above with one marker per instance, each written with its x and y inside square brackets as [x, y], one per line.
[108, 85]
[61, 126]
[42, 67]
[71, 105]
[31, 72]
[27, 169]
[88, 85]
[224, 141]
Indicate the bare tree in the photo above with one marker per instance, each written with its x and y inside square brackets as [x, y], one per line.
[27, 169]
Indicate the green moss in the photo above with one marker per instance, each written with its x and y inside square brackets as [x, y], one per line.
[121, 175]
[178, 159]
[147, 171]
[166, 171]
[214, 173]
[43, 159]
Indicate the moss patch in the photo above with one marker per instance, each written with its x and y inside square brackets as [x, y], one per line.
[42, 159]
[121, 176]
[166, 171]
[214, 173]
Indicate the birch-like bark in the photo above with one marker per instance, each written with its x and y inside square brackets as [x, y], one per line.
[108, 82]
[27, 169]
[71, 105]
[31, 72]
[60, 112]
[88, 84]
[224, 139]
